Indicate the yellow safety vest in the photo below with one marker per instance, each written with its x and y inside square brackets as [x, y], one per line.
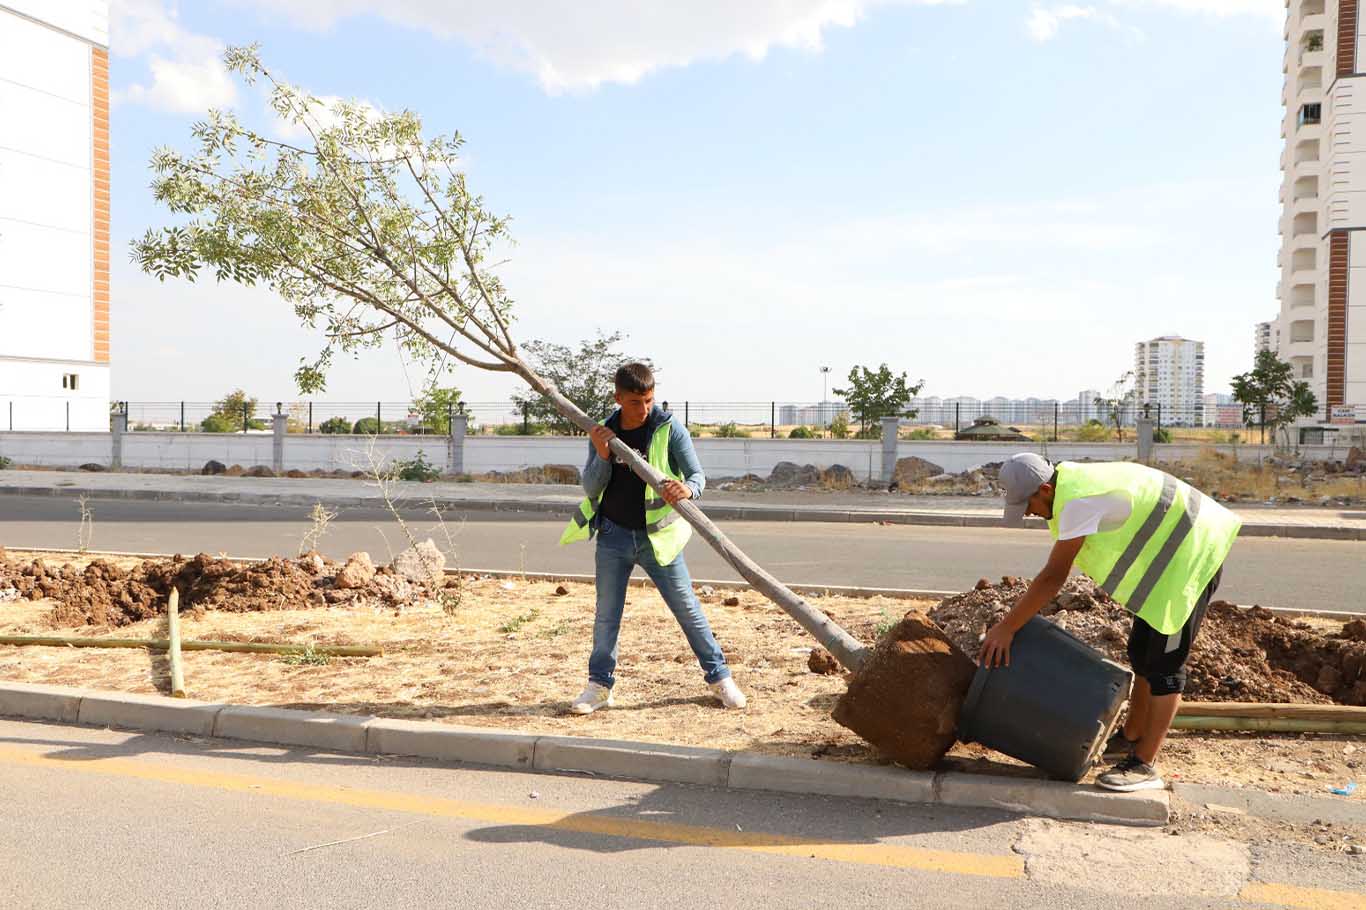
[668, 533]
[1159, 562]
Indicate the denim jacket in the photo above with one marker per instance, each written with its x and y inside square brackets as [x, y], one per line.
[597, 473]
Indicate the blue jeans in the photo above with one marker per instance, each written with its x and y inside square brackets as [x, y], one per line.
[619, 551]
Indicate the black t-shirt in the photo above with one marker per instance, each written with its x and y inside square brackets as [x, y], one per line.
[624, 499]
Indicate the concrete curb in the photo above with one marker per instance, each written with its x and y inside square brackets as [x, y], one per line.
[608, 758]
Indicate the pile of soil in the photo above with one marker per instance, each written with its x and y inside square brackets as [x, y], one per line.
[906, 697]
[1250, 655]
[103, 594]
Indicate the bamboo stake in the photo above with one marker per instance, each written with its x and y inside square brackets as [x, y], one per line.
[1272, 710]
[173, 633]
[161, 644]
[1268, 724]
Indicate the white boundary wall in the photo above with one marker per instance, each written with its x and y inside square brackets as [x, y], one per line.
[720, 457]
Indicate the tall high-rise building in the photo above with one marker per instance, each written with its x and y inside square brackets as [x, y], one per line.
[1265, 337]
[1323, 196]
[1169, 372]
[54, 215]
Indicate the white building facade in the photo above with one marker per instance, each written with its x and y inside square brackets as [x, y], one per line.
[54, 215]
[1265, 337]
[1169, 372]
[1323, 194]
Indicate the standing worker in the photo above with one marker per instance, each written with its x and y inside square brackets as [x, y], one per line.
[1155, 545]
[636, 528]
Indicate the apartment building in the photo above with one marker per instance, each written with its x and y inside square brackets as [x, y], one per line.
[54, 215]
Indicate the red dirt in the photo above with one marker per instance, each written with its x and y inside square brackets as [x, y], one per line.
[103, 594]
[1240, 655]
[906, 698]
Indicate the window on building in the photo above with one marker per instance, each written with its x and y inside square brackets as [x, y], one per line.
[71, 381]
[1311, 113]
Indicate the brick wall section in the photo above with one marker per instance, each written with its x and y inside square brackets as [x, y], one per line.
[1347, 38]
[1337, 317]
[99, 107]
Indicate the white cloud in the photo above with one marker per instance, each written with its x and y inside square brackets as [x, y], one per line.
[582, 45]
[1044, 23]
[1273, 9]
[185, 70]
[323, 114]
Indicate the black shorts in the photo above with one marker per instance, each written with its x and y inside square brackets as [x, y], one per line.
[1161, 659]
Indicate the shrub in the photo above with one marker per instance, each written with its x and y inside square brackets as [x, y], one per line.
[367, 426]
[518, 429]
[217, 423]
[731, 431]
[839, 427]
[922, 433]
[870, 431]
[801, 433]
[1162, 435]
[340, 425]
[1093, 431]
[417, 468]
[4, 462]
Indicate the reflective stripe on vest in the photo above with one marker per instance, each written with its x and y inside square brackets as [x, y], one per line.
[668, 536]
[1156, 564]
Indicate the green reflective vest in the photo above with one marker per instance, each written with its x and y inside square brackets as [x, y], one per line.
[1159, 562]
[669, 534]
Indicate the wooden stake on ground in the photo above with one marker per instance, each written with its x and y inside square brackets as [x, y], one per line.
[173, 633]
[161, 644]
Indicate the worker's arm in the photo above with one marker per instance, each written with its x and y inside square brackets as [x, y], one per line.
[1046, 585]
[598, 471]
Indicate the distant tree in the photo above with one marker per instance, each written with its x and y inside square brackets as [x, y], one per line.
[229, 412]
[875, 394]
[435, 407]
[339, 425]
[586, 376]
[1118, 403]
[367, 426]
[1271, 396]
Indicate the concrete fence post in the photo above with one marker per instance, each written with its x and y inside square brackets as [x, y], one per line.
[455, 445]
[281, 427]
[1143, 433]
[890, 427]
[118, 427]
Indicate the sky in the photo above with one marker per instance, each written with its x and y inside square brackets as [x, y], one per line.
[998, 197]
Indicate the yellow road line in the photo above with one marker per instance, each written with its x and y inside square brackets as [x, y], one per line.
[899, 857]
[1309, 898]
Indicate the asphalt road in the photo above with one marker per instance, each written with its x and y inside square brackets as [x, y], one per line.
[124, 820]
[1270, 571]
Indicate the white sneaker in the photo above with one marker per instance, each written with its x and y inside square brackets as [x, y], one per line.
[592, 698]
[729, 693]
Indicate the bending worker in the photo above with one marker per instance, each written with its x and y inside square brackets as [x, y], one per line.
[1155, 545]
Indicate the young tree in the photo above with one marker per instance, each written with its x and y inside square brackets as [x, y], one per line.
[875, 394]
[1271, 396]
[586, 376]
[436, 406]
[229, 413]
[1118, 403]
[370, 230]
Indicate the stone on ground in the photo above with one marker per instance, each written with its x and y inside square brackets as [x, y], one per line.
[423, 564]
[356, 573]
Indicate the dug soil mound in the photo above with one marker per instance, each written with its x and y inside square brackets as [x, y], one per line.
[103, 594]
[1250, 655]
[906, 697]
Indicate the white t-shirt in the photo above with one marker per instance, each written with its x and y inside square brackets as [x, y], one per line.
[1093, 514]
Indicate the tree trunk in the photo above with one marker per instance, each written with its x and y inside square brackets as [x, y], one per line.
[845, 648]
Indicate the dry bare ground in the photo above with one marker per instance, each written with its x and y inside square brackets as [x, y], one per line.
[515, 652]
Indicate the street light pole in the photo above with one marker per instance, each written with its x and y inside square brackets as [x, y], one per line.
[825, 383]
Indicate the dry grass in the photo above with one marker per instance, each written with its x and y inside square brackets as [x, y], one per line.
[515, 653]
[1217, 472]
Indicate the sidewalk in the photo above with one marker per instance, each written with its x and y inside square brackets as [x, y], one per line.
[534, 501]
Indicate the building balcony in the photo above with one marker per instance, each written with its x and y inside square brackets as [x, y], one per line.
[1304, 204]
[1313, 21]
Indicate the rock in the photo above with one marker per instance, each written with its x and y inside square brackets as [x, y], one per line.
[356, 573]
[982, 584]
[295, 473]
[912, 470]
[561, 590]
[313, 562]
[93, 467]
[823, 662]
[1356, 850]
[214, 467]
[233, 471]
[838, 477]
[787, 474]
[1355, 630]
[561, 473]
[731, 601]
[706, 591]
[259, 470]
[1329, 681]
[423, 564]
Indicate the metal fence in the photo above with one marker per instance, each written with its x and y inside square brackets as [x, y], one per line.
[1058, 420]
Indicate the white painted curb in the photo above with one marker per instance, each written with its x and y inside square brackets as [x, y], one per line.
[609, 758]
